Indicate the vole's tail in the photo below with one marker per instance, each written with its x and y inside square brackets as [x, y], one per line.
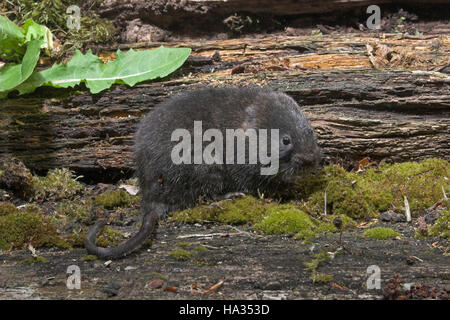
[148, 224]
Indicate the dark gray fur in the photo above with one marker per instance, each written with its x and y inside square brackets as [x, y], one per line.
[165, 186]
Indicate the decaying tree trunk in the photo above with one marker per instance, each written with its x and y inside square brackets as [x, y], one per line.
[156, 11]
[163, 20]
[357, 111]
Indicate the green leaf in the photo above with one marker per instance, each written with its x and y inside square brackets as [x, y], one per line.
[13, 75]
[128, 68]
[35, 31]
[11, 40]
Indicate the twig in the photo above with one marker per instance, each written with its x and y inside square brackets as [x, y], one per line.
[241, 231]
[407, 210]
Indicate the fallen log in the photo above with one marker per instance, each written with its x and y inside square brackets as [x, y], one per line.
[357, 111]
[166, 13]
[355, 114]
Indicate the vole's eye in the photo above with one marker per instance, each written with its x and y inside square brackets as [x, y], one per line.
[286, 140]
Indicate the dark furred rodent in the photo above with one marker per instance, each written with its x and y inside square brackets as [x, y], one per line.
[166, 186]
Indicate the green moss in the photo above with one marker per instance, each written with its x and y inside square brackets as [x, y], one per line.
[109, 237]
[76, 238]
[347, 222]
[7, 208]
[75, 210]
[47, 12]
[343, 192]
[319, 258]
[421, 182]
[367, 193]
[322, 278]
[204, 263]
[89, 257]
[57, 184]
[288, 219]
[322, 227]
[37, 259]
[349, 195]
[271, 218]
[183, 244]
[181, 254]
[313, 265]
[115, 199]
[237, 211]
[441, 227]
[128, 211]
[380, 233]
[285, 219]
[200, 248]
[52, 13]
[19, 228]
[94, 29]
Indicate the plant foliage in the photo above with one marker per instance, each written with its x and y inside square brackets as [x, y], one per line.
[22, 47]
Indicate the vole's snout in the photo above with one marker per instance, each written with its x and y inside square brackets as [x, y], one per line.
[304, 160]
[307, 161]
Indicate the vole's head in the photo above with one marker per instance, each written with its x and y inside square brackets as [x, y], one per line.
[298, 148]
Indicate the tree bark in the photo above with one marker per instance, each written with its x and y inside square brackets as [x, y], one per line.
[357, 111]
[156, 11]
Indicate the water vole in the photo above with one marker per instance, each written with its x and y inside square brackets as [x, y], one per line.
[166, 184]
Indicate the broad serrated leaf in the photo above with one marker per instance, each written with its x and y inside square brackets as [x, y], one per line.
[11, 39]
[13, 75]
[128, 68]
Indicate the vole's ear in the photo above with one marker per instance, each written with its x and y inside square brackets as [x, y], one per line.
[250, 119]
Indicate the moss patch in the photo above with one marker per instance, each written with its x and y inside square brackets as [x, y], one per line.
[379, 233]
[313, 265]
[7, 208]
[349, 195]
[115, 199]
[76, 238]
[200, 248]
[287, 219]
[37, 259]
[52, 13]
[347, 222]
[22, 227]
[269, 217]
[322, 278]
[181, 254]
[76, 210]
[367, 193]
[237, 211]
[57, 184]
[441, 227]
[183, 244]
[89, 257]
[109, 237]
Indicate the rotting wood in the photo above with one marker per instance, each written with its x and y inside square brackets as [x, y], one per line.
[166, 12]
[357, 111]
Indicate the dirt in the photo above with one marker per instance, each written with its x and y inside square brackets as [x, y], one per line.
[241, 264]
[250, 266]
